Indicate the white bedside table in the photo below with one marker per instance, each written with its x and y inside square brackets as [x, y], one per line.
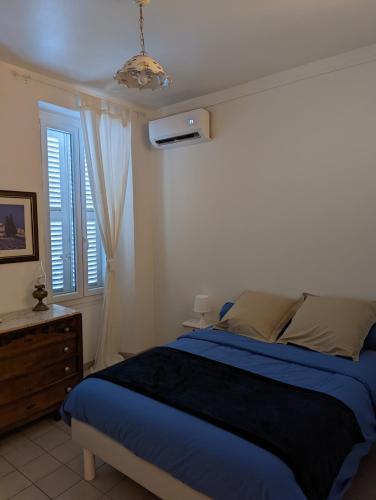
[195, 324]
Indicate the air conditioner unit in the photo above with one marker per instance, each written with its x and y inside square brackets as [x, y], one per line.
[180, 130]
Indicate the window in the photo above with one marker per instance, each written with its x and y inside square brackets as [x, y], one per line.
[76, 255]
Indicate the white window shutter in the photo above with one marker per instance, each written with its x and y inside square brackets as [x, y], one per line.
[94, 248]
[61, 211]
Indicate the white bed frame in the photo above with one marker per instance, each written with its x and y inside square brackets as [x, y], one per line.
[159, 482]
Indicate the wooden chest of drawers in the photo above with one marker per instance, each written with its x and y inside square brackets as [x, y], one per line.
[40, 363]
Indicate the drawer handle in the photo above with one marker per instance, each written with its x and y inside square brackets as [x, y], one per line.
[68, 390]
[66, 349]
[67, 369]
[67, 329]
[30, 407]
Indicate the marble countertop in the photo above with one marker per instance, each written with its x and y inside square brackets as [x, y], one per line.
[27, 318]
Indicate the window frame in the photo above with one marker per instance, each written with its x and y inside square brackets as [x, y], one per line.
[68, 121]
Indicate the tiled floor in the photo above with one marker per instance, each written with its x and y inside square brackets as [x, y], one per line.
[40, 462]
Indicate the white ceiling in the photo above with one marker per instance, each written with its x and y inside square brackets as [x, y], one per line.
[207, 45]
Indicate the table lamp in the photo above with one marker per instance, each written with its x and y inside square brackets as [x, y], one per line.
[202, 306]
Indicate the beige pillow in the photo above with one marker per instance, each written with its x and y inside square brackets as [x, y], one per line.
[259, 315]
[331, 325]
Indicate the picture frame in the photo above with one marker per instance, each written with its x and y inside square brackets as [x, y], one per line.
[18, 227]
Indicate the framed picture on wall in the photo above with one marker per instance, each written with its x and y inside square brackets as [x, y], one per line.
[18, 227]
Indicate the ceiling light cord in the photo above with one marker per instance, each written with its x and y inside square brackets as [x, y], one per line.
[142, 71]
[142, 38]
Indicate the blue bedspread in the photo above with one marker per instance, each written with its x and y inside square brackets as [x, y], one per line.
[209, 459]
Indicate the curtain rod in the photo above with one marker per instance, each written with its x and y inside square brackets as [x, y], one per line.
[75, 89]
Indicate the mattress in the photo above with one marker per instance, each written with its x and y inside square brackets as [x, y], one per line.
[212, 460]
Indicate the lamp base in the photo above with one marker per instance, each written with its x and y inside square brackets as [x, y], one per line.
[40, 293]
[202, 323]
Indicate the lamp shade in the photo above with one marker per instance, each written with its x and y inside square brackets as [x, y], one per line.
[202, 304]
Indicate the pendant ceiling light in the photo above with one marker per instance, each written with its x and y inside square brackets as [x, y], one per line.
[142, 71]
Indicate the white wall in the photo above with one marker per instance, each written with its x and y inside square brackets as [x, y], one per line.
[21, 170]
[283, 198]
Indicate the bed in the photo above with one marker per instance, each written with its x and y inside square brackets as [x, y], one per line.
[178, 456]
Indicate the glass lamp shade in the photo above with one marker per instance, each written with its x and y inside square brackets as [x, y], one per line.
[202, 304]
[143, 72]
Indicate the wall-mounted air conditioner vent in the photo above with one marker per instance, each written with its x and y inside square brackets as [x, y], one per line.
[180, 130]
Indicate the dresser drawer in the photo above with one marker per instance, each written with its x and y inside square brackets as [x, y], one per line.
[25, 408]
[32, 361]
[14, 343]
[26, 384]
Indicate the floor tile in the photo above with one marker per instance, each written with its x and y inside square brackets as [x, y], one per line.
[51, 439]
[127, 489]
[77, 464]
[81, 491]
[21, 455]
[5, 467]
[31, 493]
[59, 423]
[36, 429]
[11, 484]
[58, 482]
[106, 478]
[40, 467]
[63, 426]
[12, 441]
[67, 451]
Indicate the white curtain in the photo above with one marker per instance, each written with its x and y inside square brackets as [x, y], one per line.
[107, 136]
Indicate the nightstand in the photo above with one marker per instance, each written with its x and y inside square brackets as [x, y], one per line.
[196, 324]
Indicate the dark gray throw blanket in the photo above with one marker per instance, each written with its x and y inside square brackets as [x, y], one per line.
[310, 431]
